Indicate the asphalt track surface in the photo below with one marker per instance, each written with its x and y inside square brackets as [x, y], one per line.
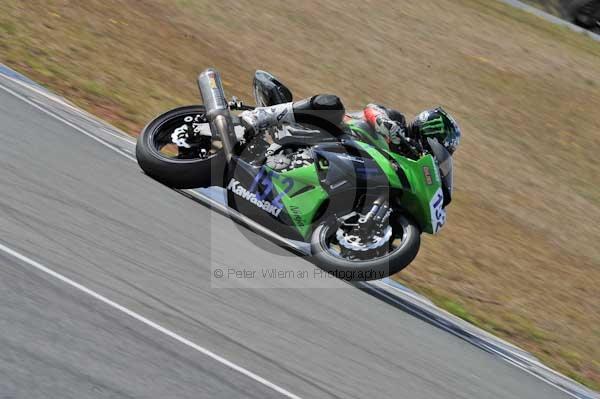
[87, 214]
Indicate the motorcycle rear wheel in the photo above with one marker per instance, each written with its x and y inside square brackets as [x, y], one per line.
[164, 161]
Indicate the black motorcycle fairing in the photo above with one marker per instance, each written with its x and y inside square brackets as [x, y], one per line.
[346, 161]
[348, 174]
[444, 161]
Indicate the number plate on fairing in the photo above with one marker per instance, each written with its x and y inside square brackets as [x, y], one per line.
[438, 214]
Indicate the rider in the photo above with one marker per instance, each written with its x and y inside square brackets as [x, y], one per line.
[327, 110]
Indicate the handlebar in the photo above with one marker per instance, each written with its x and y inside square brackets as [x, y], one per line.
[236, 105]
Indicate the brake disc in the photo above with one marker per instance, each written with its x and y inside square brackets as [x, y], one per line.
[354, 242]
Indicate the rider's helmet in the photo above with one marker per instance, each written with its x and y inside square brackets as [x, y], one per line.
[438, 124]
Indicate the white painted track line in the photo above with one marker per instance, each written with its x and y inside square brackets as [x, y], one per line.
[113, 304]
[147, 322]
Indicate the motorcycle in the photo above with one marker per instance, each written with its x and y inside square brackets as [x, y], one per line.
[341, 190]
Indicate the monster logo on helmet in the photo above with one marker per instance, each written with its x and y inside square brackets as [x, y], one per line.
[433, 127]
[436, 123]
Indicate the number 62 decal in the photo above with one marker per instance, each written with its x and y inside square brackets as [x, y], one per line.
[438, 214]
[265, 178]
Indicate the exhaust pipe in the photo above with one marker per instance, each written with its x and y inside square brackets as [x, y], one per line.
[217, 109]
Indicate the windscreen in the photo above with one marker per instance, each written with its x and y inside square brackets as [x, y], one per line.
[444, 160]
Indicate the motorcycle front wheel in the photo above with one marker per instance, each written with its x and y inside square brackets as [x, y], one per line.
[201, 165]
[399, 252]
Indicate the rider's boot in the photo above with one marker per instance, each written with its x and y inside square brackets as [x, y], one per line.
[264, 117]
[323, 110]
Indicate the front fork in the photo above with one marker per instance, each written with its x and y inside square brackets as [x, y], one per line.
[378, 215]
[374, 221]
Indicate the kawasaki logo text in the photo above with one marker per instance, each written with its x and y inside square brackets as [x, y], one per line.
[241, 191]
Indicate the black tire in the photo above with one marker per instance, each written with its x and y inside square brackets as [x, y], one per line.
[176, 172]
[374, 269]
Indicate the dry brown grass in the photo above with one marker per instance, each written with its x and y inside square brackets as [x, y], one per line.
[520, 254]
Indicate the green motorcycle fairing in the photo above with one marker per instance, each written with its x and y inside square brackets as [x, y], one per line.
[303, 199]
[423, 198]
[301, 194]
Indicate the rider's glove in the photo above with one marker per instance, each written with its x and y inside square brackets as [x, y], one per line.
[391, 129]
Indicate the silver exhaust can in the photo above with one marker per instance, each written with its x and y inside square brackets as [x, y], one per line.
[217, 109]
